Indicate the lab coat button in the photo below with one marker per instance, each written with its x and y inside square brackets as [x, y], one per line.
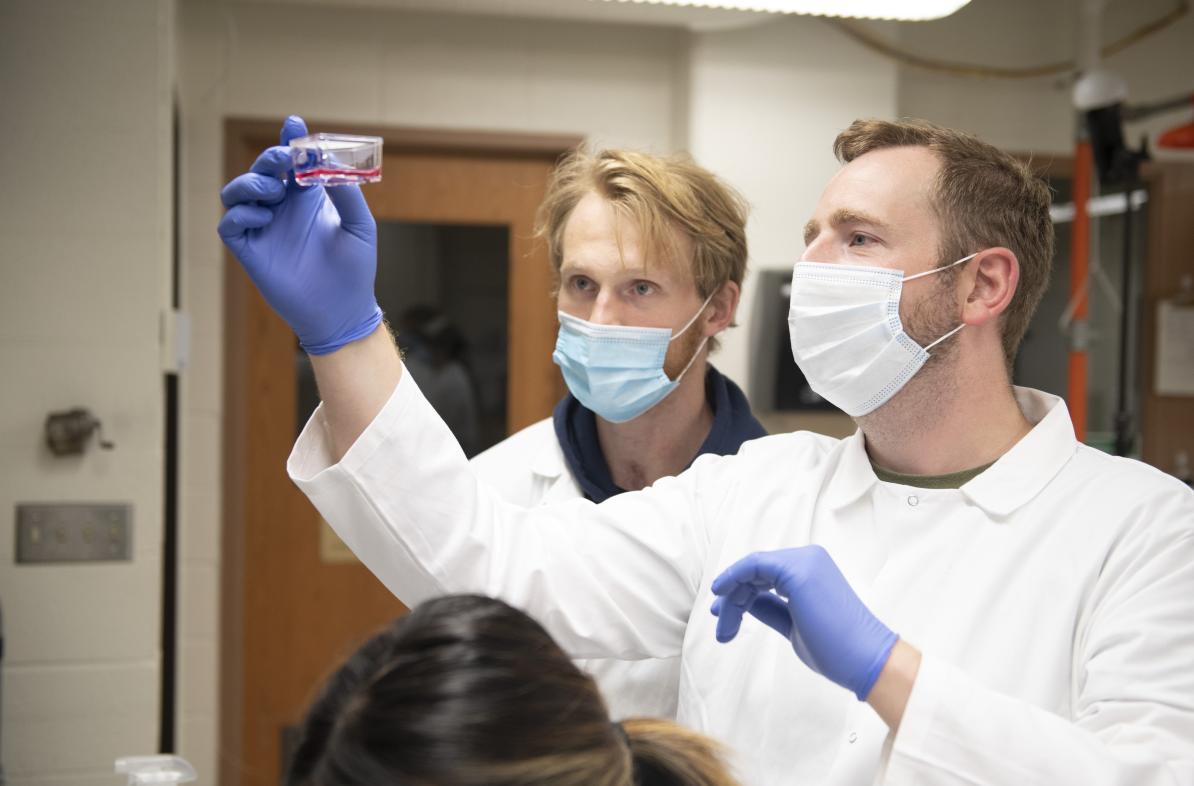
[853, 738]
[913, 501]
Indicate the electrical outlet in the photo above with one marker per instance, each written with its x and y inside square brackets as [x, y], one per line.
[74, 532]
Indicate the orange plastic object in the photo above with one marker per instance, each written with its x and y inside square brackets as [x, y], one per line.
[1179, 137]
[1079, 266]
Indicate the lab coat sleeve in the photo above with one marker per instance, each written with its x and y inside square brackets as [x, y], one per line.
[611, 580]
[1132, 702]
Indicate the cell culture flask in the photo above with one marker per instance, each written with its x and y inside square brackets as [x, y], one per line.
[336, 159]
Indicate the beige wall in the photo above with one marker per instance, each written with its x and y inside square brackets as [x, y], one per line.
[86, 260]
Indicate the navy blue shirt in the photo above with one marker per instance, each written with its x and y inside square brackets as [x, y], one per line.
[576, 429]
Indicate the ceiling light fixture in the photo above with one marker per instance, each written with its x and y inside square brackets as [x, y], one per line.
[902, 10]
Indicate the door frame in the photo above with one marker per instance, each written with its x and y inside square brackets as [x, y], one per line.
[244, 137]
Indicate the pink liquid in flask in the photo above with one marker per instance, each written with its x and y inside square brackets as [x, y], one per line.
[334, 176]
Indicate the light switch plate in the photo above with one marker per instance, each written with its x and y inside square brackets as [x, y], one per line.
[74, 532]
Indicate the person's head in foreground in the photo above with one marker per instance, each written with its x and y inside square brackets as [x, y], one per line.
[467, 690]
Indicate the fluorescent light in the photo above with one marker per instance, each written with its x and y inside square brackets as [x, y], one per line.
[903, 10]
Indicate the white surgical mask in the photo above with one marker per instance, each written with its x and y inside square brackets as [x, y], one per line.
[616, 371]
[846, 334]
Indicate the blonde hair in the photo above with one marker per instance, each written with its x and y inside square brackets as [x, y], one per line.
[660, 195]
[667, 754]
[983, 197]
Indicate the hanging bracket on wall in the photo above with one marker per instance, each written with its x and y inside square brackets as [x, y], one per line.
[68, 432]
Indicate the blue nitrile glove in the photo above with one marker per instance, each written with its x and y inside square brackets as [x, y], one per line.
[311, 252]
[801, 593]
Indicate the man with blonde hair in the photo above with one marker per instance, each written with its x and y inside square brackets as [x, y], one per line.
[1043, 592]
[649, 253]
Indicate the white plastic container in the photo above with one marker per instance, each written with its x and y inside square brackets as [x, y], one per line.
[157, 770]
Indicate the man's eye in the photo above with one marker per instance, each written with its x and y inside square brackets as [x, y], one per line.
[858, 239]
[643, 288]
[582, 284]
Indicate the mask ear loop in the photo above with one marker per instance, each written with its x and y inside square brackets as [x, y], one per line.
[956, 330]
[953, 332]
[700, 346]
[691, 360]
[688, 324]
[939, 269]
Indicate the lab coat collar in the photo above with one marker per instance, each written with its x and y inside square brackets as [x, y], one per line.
[1013, 480]
[548, 461]
[853, 475]
[1025, 470]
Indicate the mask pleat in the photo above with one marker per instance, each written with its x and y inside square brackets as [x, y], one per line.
[821, 317]
[845, 348]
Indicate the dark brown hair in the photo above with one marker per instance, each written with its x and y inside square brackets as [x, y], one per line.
[466, 691]
[983, 197]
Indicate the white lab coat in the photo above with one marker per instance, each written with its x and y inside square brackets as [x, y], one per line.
[528, 469]
[1052, 596]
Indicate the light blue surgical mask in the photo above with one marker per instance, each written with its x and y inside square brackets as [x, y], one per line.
[616, 371]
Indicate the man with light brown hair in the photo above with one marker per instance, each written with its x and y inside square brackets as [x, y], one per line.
[648, 252]
[1043, 591]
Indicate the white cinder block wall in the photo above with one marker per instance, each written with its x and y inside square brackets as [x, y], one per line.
[85, 93]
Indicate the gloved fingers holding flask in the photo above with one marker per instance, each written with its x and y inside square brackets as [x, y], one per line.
[311, 251]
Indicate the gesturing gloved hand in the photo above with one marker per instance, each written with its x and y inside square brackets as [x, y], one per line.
[801, 593]
[311, 252]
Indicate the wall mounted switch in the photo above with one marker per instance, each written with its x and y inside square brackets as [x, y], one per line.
[74, 532]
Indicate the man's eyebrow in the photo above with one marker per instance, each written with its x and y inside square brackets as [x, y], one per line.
[847, 217]
[840, 218]
[811, 230]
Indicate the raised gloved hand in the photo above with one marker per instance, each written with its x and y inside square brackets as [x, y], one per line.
[801, 593]
[311, 252]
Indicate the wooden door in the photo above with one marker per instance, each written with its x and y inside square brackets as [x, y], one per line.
[292, 608]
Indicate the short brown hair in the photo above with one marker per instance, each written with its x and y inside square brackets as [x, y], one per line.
[983, 197]
[659, 194]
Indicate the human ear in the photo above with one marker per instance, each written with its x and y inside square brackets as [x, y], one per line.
[989, 285]
[724, 304]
